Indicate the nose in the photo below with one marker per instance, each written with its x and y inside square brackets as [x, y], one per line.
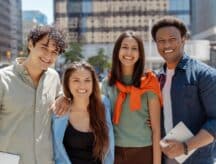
[82, 84]
[167, 44]
[48, 55]
[129, 51]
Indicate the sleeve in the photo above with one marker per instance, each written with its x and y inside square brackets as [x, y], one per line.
[151, 95]
[59, 90]
[207, 90]
[109, 157]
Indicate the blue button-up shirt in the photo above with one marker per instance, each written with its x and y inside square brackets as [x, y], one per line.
[193, 99]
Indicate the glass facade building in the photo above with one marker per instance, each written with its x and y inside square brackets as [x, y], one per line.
[10, 29]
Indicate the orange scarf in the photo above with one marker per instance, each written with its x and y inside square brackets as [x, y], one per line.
[149, 82]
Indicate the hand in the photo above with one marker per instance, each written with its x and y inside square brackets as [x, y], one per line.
[174, 148]
[60, 106]
[148, 122]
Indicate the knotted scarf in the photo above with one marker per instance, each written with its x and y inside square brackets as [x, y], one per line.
[149, 82]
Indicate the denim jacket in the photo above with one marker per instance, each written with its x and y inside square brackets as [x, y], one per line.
[193, 97]
[59, 125]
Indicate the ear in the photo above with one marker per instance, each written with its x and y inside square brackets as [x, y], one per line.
[183, 39]
[30, 44]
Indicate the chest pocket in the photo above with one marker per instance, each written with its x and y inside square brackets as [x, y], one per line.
[190, 93]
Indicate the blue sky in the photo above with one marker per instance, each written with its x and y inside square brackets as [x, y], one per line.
[45, 6]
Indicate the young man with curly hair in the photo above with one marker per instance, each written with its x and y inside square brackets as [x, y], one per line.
[26, 91]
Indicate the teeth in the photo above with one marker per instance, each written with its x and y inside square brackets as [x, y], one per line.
[128, 57]
[168, 51]
[82, 91]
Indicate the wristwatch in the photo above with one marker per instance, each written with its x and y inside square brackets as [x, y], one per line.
[185, 148]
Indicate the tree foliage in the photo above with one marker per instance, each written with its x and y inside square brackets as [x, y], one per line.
[73, 53]
[99, 61]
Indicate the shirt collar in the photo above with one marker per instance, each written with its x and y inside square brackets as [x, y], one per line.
[181, 65]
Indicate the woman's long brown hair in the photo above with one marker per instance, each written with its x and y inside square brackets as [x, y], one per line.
[116, 72]
[96, 108]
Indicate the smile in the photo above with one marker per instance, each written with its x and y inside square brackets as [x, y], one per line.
[45, 61]
[128, 57]
[82, 91]
[168, 51]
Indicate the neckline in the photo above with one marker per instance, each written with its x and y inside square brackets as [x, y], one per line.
[77, 130]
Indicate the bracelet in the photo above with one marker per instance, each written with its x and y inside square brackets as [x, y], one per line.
[185, 148]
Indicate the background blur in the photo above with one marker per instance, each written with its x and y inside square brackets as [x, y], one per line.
[92, 27]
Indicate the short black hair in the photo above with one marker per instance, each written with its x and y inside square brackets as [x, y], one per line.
[37, 33]
[169, 21]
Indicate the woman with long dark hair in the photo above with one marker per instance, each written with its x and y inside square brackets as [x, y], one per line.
[135, 98]
[84, 135]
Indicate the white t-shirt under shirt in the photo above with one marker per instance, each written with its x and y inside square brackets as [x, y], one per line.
[167, 111]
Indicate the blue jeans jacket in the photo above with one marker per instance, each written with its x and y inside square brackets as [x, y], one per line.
[59, 125]
[193, 96]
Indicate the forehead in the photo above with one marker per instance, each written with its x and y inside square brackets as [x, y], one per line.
[81, 73]
[48, 41]
[168, 31]
[129, 40]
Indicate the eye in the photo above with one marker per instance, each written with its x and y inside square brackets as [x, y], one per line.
[124, 47]
[173, 39]
[160, 41]
[134, 48]
[75, 80]
[88, 80]
[43, 47]
[55, 54]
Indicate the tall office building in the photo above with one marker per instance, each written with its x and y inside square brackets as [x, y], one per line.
[204, 24]
[5, 28]
[181, 9]
[31, 19]
[203, 19]
[35, 16]
[94, 21]
[97, 23]
[10, 28]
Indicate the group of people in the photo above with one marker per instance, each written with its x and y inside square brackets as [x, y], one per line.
[122, 126]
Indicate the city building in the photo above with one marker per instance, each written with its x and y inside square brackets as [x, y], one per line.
[31, 19]
[97, 23]
[10, 29]
[204, 24]
[36, 16]
[94, 21]
[182, 10]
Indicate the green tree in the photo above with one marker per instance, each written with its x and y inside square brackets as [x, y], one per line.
[73, 53]
[99, 61]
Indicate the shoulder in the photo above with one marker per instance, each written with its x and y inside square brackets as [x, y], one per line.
[105, 82]
[6, 70]
[200, 68]
[105, 87]
[59, 122]
[7, 73]
[52, 72]
[106, 101]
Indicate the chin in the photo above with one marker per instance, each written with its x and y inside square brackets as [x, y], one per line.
[44, 68]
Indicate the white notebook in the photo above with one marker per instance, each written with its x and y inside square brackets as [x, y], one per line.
[180, 133]
[7, 158]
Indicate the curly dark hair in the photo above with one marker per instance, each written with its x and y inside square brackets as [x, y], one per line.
[169, 21]
[52, 32]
